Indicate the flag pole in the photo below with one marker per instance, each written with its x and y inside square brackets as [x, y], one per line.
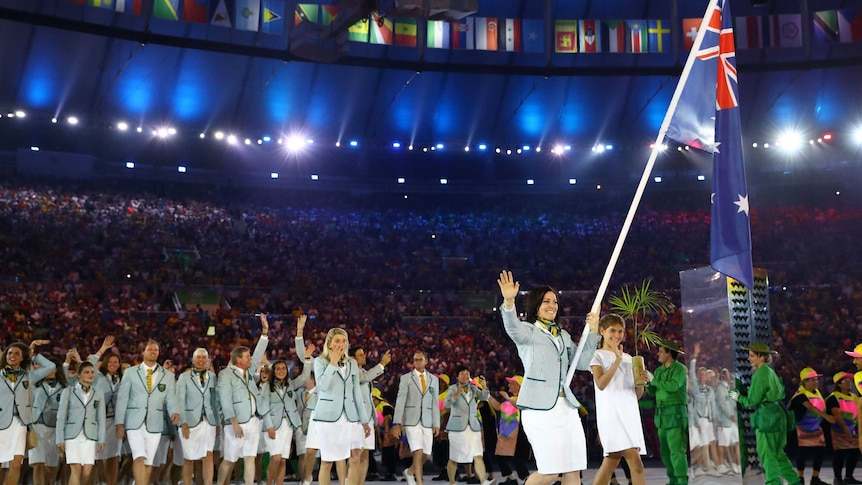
[641, 186]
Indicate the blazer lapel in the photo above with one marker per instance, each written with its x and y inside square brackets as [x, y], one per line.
[142, 375]
[418, 385]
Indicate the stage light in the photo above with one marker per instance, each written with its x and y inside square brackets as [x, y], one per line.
[267, 139]
[538, 149]
[259, 141]
[598, 148]
[162, 132]
[314, 176]
[130, 165]
[181, 169]
[20, 114]
[396, 145]
[439, 146]
[567, 147]
[337, 144]
[467, 148]
[609, 147]
[219, 135]
[433, 148]
[827, 136]
[309, 141]
[410, 148]
[231, 139]
[280, 141]
[498, 150]
[72, 120]
[248, 141]
[354, 143]
[518, 151]
[444, 181]
[122, 126]
[401, 180]
[701, 178]
[766, 145]
[530, 181]
[425, 149]
[754, 145]
[53, 120]
[34, 149]
[483, 147]
[657, 180]
[508, 152]
[525, 148]
[139, 129]
[599, 187]
[558, 150]
[789, 141]
[10, 114]
[203, 135]
[857, 135]
[573, 181]
[155, 132]
[273, 175]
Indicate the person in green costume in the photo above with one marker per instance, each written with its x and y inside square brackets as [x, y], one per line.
[769, 418]
[668, 385]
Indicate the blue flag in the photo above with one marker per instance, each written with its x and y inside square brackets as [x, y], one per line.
[714, 71]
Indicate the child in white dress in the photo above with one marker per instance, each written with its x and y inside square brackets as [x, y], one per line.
[617, 413]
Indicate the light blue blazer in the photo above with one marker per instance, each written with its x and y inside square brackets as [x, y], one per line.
[46, 402]
[237, 395]
[106, 384]
[338, 394]
[137, 407]
[365, 379]
[15, 400]
[546, 361]
[464, 412]
[74, 416]
[412, 406]
[283, 404]
[305, 408]
[197, 403]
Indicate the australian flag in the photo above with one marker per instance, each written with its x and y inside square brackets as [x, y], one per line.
[713, 124]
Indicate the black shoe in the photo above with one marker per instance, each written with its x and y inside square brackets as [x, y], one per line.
[851, 481]
[817, 481]
[462, 478]
[441, 478]
[473, 481]
[510, 481]
[389, 478]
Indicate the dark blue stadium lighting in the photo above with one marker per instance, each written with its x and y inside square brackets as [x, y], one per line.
[396, 145]
[439, 146]
[267, 139]
[483, 147]
[354, 143]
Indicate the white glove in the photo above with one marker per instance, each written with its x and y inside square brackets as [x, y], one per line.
[733, 394]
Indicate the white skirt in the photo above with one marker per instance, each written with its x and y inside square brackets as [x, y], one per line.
[728, 436]
[201, 441]
[112, 443]
[14, 439]
[335, 440]
[236, 448]
[283, 436]
[46, 452]
[80, 450]
[567, 452]
[465, 445]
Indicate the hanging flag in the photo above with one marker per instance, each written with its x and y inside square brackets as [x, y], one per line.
[405, 32]
[462, 33]
[533, 35]
[486, 33]
[566, 36]
[589, 38]
[328, 14]
[101, 4]
[616, 35]
[221, 14]
[689, 32]
[659, 35]
[637, 38]
[850, 25]
[165, 9]
[247, 15]
[825, 27]
[785, 30]
[129, 6]
[381, 30]
[358, 32]
[196, 11]
[752, 32]
[305, 12]
[438, 34]
[714, 71]
[510, 35]
[272, 20]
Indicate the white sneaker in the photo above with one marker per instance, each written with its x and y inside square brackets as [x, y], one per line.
[490, 481]
[722, 469]
[411, 480]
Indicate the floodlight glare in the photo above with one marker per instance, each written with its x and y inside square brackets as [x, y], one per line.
[401, 180]
[20, 114]
[248, 141]
[34, 148]
[72, 120]
[444, 181]
[130, 165]
[267, 139]
[219, 135]
[122, 126]
[354, 143]
[314, 176]
[789, 141]
[657, 180]
[573, 181]
[439, 146]
[231, 139]
[530, 181]
[701, 178]
[273, 175]
[396, 145]
[203, 135]
[467, 149]
[483, 146]
[181, 169]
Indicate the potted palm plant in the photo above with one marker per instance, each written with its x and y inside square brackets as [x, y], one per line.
[634, 303]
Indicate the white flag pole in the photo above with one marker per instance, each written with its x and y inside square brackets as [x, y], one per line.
[641, 186]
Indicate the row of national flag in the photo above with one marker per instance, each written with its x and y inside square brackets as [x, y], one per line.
[831, 26]
[252, 15]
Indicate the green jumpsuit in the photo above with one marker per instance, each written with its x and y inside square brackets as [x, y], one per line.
[770, 425]
[671, 419]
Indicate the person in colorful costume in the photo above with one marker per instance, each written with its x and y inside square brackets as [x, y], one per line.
[842, 405]
[769, 419]
[513, 450]
[809, 408]
[856, 353]
[668, 385]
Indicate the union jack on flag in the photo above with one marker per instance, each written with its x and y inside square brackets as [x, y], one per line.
[713, 125]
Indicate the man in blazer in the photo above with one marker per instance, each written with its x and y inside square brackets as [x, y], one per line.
[199, 412]
[465, 438]
[16, 406]
[365, 379]
[146, 390]
[417, 414]
[242, 407]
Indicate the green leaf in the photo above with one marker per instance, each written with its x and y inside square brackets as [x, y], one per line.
[634, 303]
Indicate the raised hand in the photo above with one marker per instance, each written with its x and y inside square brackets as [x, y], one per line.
[107, 344]
[309, 350]
[264, 324]
[593, 322]
[387, 357]
[300, 325]
[508, 286]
